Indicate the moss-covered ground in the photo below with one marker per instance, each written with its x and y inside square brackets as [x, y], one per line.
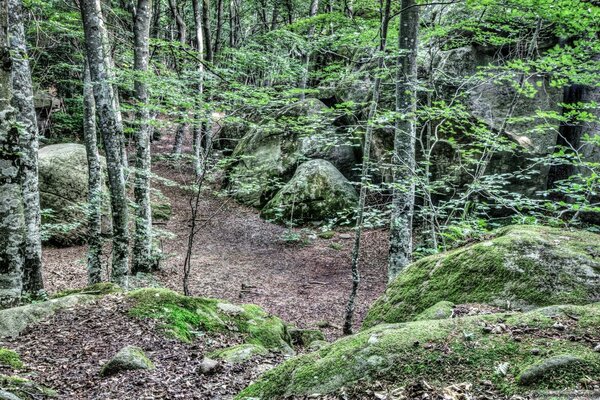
[448, 351]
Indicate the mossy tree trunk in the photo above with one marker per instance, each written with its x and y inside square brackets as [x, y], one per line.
[94, 212]
[142, 246]
[111, 131]
[12, 217]
[22, 101]
[404, 142]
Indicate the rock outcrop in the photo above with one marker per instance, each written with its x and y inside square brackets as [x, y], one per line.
[317, 191]
[521, 267]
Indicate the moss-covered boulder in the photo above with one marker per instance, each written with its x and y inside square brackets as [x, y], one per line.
[267, 156]
[521, 267]
[186, 317]
[16, 387]
[15, 320]
[448, 351]
[316, 192]
[240, 353]
[10, 358]
[63, 184]
[129, 358]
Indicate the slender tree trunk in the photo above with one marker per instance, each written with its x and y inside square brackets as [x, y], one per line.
[23, 103]
[404, 142]
[179, 136]
[110, 130]
[197, 128]
[142, 244]
[206, 28]
[385, 17]
[235, 24]
[94, 212]
[274, 16]
[181, 26]
[219, 31]
[314, 8]
[12, 217]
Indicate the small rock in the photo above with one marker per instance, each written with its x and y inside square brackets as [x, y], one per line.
[240, 353]
[230, 309]
[535, 352]
[128, 358]
[317, 345]
[497, 330]
[207, 366]
[538, 371]
[486, 329]
[345, 236]
[559, 326]
[597, 348]
[4, 395]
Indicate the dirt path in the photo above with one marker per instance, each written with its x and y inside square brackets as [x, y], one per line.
[237, 249]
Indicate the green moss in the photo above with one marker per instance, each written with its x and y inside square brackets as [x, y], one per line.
[327, 234]
[101, 288]
[184, 317]
[442, 352]
[440, 310]
[161, 211]
[524, 266]
[24, 388]
[10, 358]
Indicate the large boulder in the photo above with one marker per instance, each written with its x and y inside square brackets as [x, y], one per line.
[496, 354]
[63, 183]
[129, 358]
[267, 156]
[521, 267]
[316, 192]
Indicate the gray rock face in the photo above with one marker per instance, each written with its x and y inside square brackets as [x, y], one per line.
[543, 369]
[4, 395]
[267, 156]
[316, 192]
[208, 366]
[63, 177]
[128, 358]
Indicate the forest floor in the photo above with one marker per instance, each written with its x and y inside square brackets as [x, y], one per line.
[242, 258]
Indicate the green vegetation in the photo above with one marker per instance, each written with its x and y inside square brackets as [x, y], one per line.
[522, 266]
[445, 352]
[187, 317]
[24, 388]
[10, 358]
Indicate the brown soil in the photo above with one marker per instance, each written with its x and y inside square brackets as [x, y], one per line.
[242, 258]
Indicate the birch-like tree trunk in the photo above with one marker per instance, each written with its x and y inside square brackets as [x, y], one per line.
[142, 245]
[94, 211]
[22, 101]
[111, 131]
[197, 128]
[12, 218]
[314, 8]
[404, 142]
[385, 17]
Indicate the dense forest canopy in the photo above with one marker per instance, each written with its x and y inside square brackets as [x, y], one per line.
[449, 149]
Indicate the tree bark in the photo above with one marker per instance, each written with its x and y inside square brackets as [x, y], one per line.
[179, 136]
[94, 212]
[12, 217]
[181, 27]
[206, 28]
[235, 23]
[385, 17]
[111, 131]
[23, 103]
[404, 142]
[142, 245]
[219, 31]
[197, 128]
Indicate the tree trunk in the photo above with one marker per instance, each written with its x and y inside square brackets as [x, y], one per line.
[385, 17]
[12, 218]
[179, 136]
[142, 245]
[219, 31]
[314, 8]
[94, 212]
[206, 28]
[110, 130]
[181, 27]
[197, 128]
[235, 26]
[404, 142]
[23, 103]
